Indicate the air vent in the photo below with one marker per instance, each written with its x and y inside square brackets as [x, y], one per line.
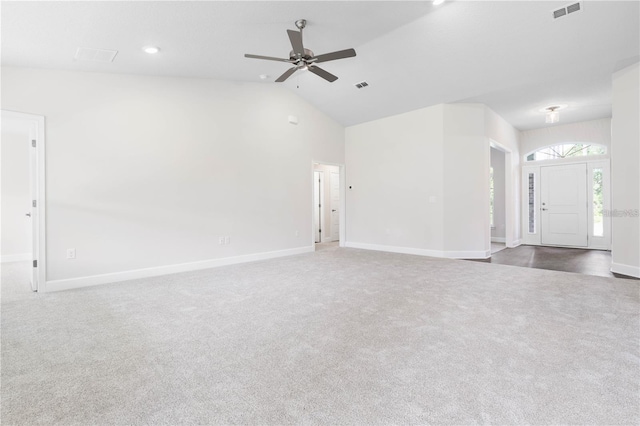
[361, 85]
[558, 13]
[88, 54]
[575, 7]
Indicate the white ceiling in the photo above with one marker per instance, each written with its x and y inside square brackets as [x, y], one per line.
[510, 55]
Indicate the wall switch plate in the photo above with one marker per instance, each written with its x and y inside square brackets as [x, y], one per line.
[227, 240]
[71, 253]
[221, 241]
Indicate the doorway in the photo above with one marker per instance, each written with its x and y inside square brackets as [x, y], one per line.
[327, 203]
[23, 217]
[497, 200]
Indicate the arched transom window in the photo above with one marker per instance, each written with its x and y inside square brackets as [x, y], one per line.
[566, 150]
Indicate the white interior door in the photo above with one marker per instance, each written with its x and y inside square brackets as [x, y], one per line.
[335, 206]
[563, 205]
[33, 212]
[318, 201]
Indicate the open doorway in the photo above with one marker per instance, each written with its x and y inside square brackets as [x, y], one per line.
[22, 243]
[327, 205]
[497, 200]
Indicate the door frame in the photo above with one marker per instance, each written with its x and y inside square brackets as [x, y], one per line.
[510, 199]
[343, 202]
[318, 206]
[38, 194]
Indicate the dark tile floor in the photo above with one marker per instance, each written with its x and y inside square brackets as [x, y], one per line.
[588, 262]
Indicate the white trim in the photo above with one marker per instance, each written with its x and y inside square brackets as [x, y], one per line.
[498, 240]
[479, 254]
[15, 257]
[395, 249]
[632, 271]
[514, 244]
[71, 283]
[421, 252]
[39, 225]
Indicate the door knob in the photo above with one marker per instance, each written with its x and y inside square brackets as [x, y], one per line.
[333, 210]
[28, 214]
[543, 209]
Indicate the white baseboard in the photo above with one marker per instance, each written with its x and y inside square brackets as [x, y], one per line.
[15, 257]
[421, 252]
[632, 271]
[515, 244]
[478, 254]
[71, 283]
[498, 240]
[394, 249]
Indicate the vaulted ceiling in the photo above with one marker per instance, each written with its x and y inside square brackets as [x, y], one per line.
[511, 55]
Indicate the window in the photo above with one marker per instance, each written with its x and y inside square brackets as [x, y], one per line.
[491, 196]
[566, 151]
[531, 203]
[598, 213]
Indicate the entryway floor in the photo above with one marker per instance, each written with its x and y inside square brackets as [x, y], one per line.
[327, 246]
[588, 262]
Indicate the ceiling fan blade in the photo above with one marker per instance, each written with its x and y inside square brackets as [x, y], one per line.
[296, 42]
[322, 73]
[341, 54]
[286, 74]
[268, 58]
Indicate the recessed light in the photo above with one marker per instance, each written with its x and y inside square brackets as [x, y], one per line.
[438, 2]
[151, 50]
[263, 76]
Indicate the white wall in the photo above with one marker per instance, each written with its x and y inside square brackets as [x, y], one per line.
[149, 171]
[499, 225]
[466, 181]
[593, 131]
[420, 180]
[625, 172]
[15, 243]
[394, 166]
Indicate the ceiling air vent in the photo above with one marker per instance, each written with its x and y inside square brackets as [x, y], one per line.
[575, 7]
[88, 54]
[361, 85]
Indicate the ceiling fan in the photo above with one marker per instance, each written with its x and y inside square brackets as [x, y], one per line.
[304, 59]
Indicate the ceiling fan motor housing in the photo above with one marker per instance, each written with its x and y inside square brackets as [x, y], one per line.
[308, 54]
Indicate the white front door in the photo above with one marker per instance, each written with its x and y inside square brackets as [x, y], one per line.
[563, 205]
[335, 206]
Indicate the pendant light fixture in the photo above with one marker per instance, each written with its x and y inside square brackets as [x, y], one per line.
[552, 114]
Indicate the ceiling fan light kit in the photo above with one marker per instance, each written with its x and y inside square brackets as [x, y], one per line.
[304, 59]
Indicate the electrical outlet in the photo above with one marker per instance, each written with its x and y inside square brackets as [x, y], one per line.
[297, 233]
[71, 253]
[221, 240]
[227, 240]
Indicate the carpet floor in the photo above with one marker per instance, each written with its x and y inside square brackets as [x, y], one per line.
[339, 336]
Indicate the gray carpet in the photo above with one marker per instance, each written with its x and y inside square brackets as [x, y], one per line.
[339, 336]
